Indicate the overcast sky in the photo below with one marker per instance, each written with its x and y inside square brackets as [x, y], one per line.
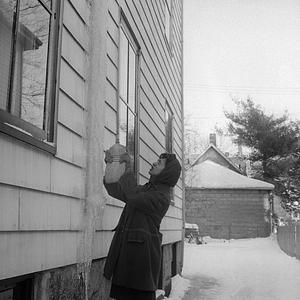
[240, 48]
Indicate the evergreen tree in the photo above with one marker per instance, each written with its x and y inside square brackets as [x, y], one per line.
[274, 145]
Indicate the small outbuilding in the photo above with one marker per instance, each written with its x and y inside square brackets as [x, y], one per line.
[224, 203]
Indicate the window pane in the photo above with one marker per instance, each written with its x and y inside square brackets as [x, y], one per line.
[123, 72]
[131, 134]
[123, 123]
[131, 79]
[7, 9]
[169, 131]
[29, 89]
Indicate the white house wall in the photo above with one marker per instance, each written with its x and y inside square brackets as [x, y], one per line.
[42, 197]
[160, 82]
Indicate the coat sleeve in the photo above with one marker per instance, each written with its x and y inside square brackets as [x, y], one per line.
[117, 190]
[149, 202]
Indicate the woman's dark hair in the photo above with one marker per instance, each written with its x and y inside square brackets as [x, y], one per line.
[169, 156]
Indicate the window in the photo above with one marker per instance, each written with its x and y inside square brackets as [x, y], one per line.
[18, 288]
[169, 138]
[169, 129]
[28, 52]
[168, 22]
[128, 85]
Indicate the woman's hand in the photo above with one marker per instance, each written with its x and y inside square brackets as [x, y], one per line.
[108, 157]
[125, 158]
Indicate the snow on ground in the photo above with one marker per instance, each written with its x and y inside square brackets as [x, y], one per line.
[248, 269]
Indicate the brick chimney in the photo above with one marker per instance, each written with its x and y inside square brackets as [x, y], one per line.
[213, 139]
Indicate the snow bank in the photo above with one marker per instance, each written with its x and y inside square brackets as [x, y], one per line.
[244, 269]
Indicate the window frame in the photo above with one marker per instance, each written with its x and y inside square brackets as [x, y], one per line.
[169, 136]
[22, 286]
[133, 42]
[44, 139]
[169, 139]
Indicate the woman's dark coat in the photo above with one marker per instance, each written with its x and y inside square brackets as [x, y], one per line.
[134, 257]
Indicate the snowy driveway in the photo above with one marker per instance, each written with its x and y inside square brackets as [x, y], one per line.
[249, 269]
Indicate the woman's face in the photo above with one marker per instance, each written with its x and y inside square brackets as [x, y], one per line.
[158, 166]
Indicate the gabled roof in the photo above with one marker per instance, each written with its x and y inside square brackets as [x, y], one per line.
[214, 154]
[210, 175]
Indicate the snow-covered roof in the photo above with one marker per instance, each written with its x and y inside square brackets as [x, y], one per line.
[210, 175]
[202, 157]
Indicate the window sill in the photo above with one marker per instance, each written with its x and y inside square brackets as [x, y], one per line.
[24, 137]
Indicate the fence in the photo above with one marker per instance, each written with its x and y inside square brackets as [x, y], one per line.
[289, 239]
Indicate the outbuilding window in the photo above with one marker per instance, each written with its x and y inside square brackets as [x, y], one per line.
[28, 61]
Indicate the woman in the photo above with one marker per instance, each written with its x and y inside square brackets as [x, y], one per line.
[134, 258]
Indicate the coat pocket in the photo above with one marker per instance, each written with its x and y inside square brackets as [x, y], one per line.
[136, 237]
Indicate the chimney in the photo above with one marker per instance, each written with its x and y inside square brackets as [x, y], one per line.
[213, 139]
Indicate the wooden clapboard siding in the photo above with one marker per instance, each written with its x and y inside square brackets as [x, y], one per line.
[160, 82]
[24, 165]
[43, 211]
[70, 114]
[9, 212]
[42, 195]
[33, 251]
[102, 242]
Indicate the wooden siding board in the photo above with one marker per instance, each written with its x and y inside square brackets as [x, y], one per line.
[111, 94]
[174, 212]
[159, 28]
[173, 72]
[29, 252]
[144, 167]
[72, 84]
[102, 241]
[148, 52]
[159, 46]
[171, 236]
[42, 211]
[70, 146]
[113, 8]
[152, 125]
[113, 29]
[75, 25]
[9, 212]
[147, 153]
[23, 165]
[112, 50]
[151, 89]
[109, 138]
[70, 114]
[111, 217]
[150, 139]
[111, 118]
[151, 109]
[67, 179]
[170, 223]
[141, 39]
[112, 72]
[73, 53]
[82, 9]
